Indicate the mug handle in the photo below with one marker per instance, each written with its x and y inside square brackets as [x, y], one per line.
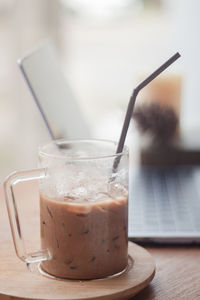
[11, 204]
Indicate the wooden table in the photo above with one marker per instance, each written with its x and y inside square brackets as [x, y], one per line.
[177, 274]
[178, 267]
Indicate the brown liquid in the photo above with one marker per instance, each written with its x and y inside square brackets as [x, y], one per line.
[86, 241]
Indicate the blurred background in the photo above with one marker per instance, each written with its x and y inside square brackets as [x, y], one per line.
[104, 48]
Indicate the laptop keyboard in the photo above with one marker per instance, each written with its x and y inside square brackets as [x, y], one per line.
[165, 201]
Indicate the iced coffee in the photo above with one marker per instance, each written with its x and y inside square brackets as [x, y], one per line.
[85, 240]
[84, 218]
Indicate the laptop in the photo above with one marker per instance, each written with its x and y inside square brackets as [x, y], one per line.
[164, 204]
[52, 94]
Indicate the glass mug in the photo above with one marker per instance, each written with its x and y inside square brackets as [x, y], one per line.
[83, 209]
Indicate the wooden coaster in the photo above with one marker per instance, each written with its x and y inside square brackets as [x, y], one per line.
[19, 283]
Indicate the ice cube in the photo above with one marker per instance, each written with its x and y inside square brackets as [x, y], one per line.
[101, 196]
[117, 190]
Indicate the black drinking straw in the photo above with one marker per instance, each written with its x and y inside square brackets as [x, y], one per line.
[131, 104]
